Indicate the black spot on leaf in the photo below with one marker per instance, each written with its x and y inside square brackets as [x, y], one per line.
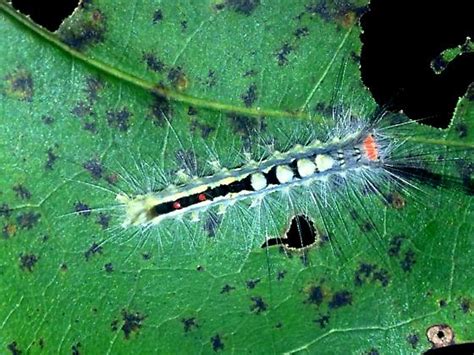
[192, 111]
[315, 295]
[245, 7]
[372, 351]
[82, 209]
[408, 260]
[157, 16]
[258, 306]
[178, 78]
[301, 32]
[246, 126]
[340, 299]
[94, 167]
[93, 250]
[93, 86]
[19, 85]
[119, 119]
[28, 220]
[184, 24]
[90, 127]
[5, 210]
[51, 159]
[216, 343]
[103, 220]
[47, 120]
[189, 324]
[153, 63]
[132, 322]
[13, 348]
[82, 109]
[22, 192]
[28, 261]
[75, 349]
[413, 340]
[211, 79]
[109, 267]
[146, 255]
[203, 129]
[88, 29]
[160, 110]
[369, 272]
[250, 96]
[323, 320]
[465, 305]
[252, 283]
[395, 245]
[227, 288]
[282, 54]
[339, 10]
[281, 275]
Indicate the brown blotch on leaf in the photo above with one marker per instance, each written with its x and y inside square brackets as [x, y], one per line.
[22, 192]
[88, 29]
[250, 96]
[440, 335]
[20, 85]
[28, 261]
[178, 78]
[245, 7]
[119, 119]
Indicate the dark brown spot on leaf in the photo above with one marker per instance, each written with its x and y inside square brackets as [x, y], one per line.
[109, 267]
[47, 120]
[408, 260]
[315, 295]
[75, 349]
[301, 32]
[103, 220]
[395, 200]
[395, 245]
[465, 305]
[132, 322]
[5, 210]
[160, 110]
[8, 230]
[82, 109]
[93, 86]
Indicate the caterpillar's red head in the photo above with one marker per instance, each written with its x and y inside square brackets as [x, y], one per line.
[370, 147]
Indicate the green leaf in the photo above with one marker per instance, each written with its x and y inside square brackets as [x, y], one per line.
[126, 90]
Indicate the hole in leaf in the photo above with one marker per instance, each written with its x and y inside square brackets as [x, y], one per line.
[400, 41]
[301, 234]
[47, 13]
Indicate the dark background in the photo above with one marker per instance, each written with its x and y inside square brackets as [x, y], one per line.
[400, 38]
